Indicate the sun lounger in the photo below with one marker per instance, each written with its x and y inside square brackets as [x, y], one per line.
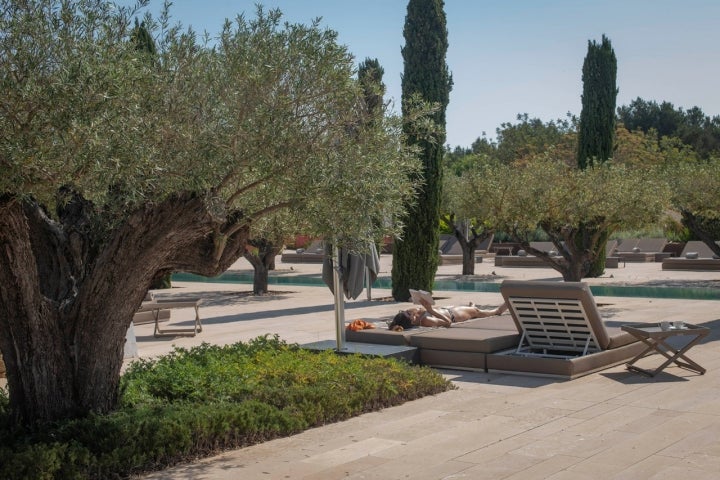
[546, 247]
[314, 253]
[451, 251]
[695, 256]
[555, 329]
[464, 346]
[642, 250]
[530, 261]
[562, 332]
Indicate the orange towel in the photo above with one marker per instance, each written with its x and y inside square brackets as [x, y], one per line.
[357, 325]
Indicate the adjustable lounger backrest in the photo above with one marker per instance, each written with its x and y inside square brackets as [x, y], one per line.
[611, 248]
[486, 244]
[556, 316]
[651, 244]
[698, 247]
[626, 245]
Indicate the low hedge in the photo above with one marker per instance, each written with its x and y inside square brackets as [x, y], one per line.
[196, 402]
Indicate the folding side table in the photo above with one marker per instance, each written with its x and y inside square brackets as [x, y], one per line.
[655, 337]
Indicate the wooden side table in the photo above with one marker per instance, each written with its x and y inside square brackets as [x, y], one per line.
[655, 337]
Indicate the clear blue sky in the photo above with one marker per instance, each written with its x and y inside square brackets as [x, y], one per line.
[519, 56]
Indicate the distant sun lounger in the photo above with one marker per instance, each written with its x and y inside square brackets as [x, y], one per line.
[695, 256]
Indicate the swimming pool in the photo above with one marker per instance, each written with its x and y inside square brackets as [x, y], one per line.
[694, 293]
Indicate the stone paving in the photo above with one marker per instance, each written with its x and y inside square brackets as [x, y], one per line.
[609, 425]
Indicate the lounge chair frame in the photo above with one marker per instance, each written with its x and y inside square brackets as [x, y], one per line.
[553, 325]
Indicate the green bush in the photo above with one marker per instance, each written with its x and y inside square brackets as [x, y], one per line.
[199, 401]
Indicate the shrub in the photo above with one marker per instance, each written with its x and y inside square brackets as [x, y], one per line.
[196, 402]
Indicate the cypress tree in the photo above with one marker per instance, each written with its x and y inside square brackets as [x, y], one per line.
[143, 40]
[415, 255]
[370, 75]
[596, 131]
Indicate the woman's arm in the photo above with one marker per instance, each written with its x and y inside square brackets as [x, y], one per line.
[433, 318]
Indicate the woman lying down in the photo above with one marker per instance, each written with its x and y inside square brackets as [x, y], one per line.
[429, 316]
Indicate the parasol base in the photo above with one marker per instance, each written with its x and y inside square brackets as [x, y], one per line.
[408, 354]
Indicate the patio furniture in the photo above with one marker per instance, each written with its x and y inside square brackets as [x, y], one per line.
[530, 261]
[142, 317]
[577, 344]
[156, 306]
[314, 253]
[642, 250]
[562, 332]
[695, 256]
[463, 346]
[655, 337]
[451, 251]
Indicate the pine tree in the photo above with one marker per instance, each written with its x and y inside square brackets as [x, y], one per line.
[596, 132]
[415, 256]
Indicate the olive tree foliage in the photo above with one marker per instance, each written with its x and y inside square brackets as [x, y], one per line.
[268, 234]
[116, 170]
[563, 201]
[266, 240]
[695, 187]
[470, 217]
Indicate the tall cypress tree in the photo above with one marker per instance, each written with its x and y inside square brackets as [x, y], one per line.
[370, 75]
[596, 132]
[415, 256]
[142, 38]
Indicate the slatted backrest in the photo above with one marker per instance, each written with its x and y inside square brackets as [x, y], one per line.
[554, 324]
[555, 306]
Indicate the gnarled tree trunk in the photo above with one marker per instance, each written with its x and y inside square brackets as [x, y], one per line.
[263, 260]
[578, 247]
[468, 246]
[69, 292]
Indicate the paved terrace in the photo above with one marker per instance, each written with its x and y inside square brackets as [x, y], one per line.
[610, 425]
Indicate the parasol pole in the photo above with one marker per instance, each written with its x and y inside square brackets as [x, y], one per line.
[368, 283]
[339, 300]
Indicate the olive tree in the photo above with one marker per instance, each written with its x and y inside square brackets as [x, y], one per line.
[266, 240]
[695, 186]
[116, 171]
[563, 201]
[468, 203]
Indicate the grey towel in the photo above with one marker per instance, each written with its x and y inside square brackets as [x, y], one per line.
[352, 269]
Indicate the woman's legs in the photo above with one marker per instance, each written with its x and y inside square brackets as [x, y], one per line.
[466, 313]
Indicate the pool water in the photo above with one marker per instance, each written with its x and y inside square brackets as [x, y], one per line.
[694, 293]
